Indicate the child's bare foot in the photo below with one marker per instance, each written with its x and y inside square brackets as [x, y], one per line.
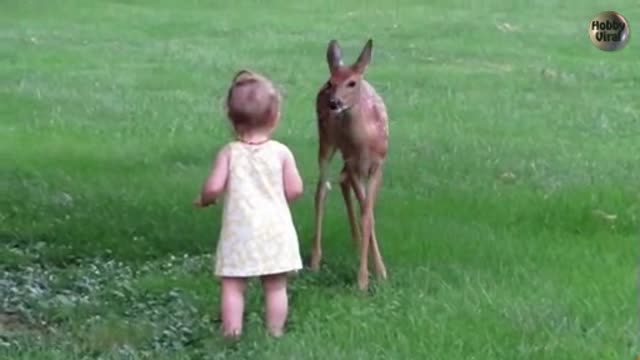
[275, 287]
[233, 334]
[276, 332]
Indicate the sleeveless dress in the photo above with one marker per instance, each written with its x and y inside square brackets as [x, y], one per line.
[257, 236]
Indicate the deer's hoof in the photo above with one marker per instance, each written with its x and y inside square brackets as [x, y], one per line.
[315, 263]
[363, 282]
[382, 274]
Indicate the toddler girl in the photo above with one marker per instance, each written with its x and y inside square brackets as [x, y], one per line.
[258, 177]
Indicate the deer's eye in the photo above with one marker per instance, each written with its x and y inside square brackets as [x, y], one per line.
[351, 83]
[328, 85]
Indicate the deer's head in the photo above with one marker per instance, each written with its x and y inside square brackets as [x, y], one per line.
[345, 81]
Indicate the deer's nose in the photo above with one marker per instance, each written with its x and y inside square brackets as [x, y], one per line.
[333, 104]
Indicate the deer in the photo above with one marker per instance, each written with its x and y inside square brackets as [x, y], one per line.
[352, 119]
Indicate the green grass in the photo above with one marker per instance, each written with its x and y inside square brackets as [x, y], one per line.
[111, 112]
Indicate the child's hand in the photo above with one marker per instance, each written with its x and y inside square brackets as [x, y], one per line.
[197, 202]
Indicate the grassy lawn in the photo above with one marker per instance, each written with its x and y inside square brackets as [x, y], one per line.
[507, 219]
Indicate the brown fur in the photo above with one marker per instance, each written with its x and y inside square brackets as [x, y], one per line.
[360, 133]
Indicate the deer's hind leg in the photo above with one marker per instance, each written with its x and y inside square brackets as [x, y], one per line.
[381, 270]
[368, 232]
[345, 186]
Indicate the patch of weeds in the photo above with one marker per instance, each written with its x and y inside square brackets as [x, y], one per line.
[98, 306]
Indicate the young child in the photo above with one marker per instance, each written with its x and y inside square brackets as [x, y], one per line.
[258, 177]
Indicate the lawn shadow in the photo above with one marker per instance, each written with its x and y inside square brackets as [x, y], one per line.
[332, 273]
[338, 274]
[14, 325]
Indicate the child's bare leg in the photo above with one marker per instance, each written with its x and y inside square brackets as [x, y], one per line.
[276, 301]
[232, 306]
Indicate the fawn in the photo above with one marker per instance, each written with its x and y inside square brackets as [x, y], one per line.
[352, 118]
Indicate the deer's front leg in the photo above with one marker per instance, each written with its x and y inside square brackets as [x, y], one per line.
[324, 157]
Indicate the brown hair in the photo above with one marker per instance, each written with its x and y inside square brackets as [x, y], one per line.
[253, 102]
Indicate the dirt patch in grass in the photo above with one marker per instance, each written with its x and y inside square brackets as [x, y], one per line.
[12, 323]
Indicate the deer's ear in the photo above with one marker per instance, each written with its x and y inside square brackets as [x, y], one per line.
[365, 57]
[334, 55]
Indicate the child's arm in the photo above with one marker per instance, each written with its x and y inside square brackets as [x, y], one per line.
[215, 184]
[293, 186]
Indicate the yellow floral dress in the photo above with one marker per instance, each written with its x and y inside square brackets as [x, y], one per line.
[258, 236]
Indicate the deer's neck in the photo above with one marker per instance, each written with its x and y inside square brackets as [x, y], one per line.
[354, 114]
[354, 124]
